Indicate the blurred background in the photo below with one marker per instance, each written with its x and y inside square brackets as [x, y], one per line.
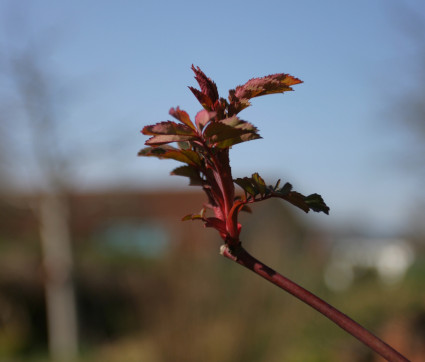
[95, 264]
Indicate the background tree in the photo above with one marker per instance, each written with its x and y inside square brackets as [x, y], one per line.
[32, 108]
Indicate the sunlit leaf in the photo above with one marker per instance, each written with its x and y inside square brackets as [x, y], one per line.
[208, 87]
[203, 117]
[202, 98]
[235, 104]
[274, 83]
[166, 132]
[239, 124]
[164, 139]
[182, 116]
[224, 136]
[168, 128]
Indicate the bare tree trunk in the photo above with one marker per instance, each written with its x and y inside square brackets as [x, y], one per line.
[58, 265]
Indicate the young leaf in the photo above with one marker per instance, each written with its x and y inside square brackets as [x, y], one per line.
[232, 225]
[296, 199]
[247, 185]
[306, 203]
[208, 87]
[202, 98]
[274, 83]
[168, 128]
[259, 182]
[192, 217]
[236, 105]
[224, 136]
[286, 188]
[164, 139]
[199, 216]
[166, 132]
[229, 142]
[316, 203]
[239, 124]
[216, 223]
[182, 116]
[203, 117]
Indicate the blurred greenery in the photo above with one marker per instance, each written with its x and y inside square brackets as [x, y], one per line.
[190, 304]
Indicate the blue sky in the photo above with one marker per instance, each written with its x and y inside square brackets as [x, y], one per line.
[120, 65]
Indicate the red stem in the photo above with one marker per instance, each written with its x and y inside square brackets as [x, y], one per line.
[242, 257]
[219, 180]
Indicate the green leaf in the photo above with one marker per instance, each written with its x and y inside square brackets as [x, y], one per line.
[286, 188]
[192, 217]
[247, 185]
[296, 199]
[316, 203]
[199, 216]
[184, 145]
[306, 203]
[191, 172]
[259, 182]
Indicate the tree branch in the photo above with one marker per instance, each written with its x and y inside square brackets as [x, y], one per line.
[241, 256]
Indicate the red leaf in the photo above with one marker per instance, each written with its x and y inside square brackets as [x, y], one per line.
[182, 116]
[208, 87]
[168, 128]
[166, 132]
[203, 117]
[163, 152]
[164, 139]
[239, 124]
[232, 225]
[236, 105]
[216, 223]
[274, 83]
[202, 98]
[230, 131]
